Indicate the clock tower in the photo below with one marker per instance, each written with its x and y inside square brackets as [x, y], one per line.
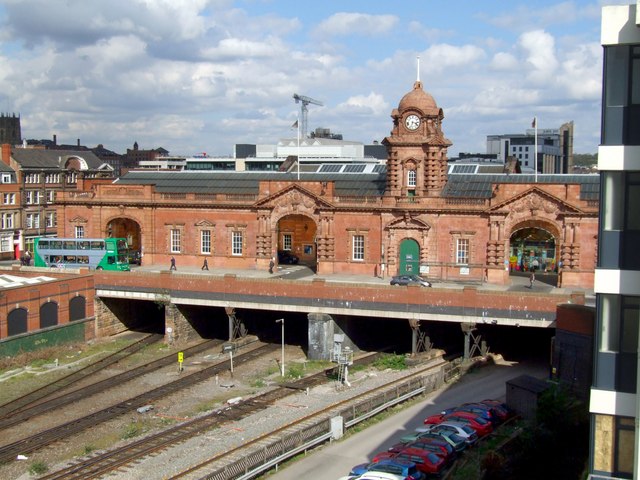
[417, 148]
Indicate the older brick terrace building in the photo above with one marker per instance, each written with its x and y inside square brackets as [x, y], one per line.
[407, 217]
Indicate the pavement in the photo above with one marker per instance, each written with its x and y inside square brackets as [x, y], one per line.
[518, 282]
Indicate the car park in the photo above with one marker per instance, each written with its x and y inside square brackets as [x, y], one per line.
[456, 441]
[484, 411]
[410, 280]
[373, 476]
[285, 257]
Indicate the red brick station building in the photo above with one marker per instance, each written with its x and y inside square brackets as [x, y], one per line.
[409, 216]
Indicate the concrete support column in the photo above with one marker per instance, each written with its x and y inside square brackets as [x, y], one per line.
[107, 322]
[178, 329]
[321, 332]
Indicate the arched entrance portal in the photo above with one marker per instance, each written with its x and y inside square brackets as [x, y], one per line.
[129, 229]
[409, 261]
[297, 240]
[532, 248]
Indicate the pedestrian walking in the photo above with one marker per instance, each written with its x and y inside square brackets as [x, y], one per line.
[205, 265]
[272, 264]
[173, 264]
[532, 279]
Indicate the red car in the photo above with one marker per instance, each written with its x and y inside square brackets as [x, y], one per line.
[427, 462]
[479, 424]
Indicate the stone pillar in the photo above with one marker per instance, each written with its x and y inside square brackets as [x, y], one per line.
[181, 330]
[321, 331]
[107, 322]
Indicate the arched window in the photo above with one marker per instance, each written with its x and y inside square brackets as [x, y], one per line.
[48, 314]
[77, 308]
[17, 321]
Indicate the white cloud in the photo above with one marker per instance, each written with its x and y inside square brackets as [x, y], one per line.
[343, 23]
[539, 50]
[374, 103]
[443, 56]
[504, 61]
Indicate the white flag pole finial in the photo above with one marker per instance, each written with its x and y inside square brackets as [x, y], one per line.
[418, 68]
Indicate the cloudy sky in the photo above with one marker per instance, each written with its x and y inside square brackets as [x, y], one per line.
[198, 76]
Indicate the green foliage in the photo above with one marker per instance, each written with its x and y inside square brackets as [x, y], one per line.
[38, 468]
[392, 361]
[585, 159]
[295, 370]
[132, 430]
[88, 449]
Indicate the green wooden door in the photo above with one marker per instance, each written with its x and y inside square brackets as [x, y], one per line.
[409, 258]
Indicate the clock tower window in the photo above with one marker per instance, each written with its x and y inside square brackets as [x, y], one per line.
[411, 178]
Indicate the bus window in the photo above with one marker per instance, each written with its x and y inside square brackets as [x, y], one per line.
[43, 244]
[82, 259]
[83, 245]
[70, 259]
[111, 260]
[98, 245]
[69, 245]
[55, 244]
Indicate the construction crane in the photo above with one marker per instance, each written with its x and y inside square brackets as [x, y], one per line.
[304, 101]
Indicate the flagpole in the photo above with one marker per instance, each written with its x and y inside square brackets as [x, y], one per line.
[298, 162]
[535, 147]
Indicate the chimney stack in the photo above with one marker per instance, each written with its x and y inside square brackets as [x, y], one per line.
[5, 153]
[55, 139]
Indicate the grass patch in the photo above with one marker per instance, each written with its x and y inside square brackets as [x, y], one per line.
[133, 430]
[38, 468]
[88, 449]
[391, 361]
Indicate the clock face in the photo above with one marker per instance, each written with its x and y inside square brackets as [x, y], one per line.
[412, 122]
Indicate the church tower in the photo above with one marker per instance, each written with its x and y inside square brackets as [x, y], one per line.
[10, 129]
[417, 148]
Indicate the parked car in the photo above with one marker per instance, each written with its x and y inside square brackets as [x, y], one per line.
[479, 424]
[285, 257]
[488, 413]
[373, 476]
[456, 441]
[503, 410]
[427, 462]
[464, 431]
[410, 280]
[405, 469]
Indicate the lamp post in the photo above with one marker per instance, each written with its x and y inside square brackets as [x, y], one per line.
[281, 321]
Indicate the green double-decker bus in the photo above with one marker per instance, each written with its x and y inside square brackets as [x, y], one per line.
[94, 253]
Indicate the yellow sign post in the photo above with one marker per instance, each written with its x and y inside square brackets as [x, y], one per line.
[180, 360]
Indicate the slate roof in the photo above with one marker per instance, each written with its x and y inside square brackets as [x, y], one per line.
[346, 184]
[481, 186]
[6, 168]
[35, 158]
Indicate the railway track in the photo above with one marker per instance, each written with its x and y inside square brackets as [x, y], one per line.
[99, 465]
[20, 403]
[239, 459]
[46, 406]
[61, 432]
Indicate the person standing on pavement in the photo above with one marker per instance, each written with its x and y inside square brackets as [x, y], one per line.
[272, 264]
[173, 264]
[532, 279]
[205, 265]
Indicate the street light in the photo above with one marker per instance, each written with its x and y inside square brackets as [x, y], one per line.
[281, 321]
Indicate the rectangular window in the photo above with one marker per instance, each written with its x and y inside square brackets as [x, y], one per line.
[6, 178]
[287, 241]
[462, 251]
[29, 220]
[51, 196]
[411, 178]
[236, 243]
[7, 220]
[358, 247]
[176, 241]
[30, 196]
[50, 220]
[79, 231]
[6, 243]
[205, 241]
[9, 198]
